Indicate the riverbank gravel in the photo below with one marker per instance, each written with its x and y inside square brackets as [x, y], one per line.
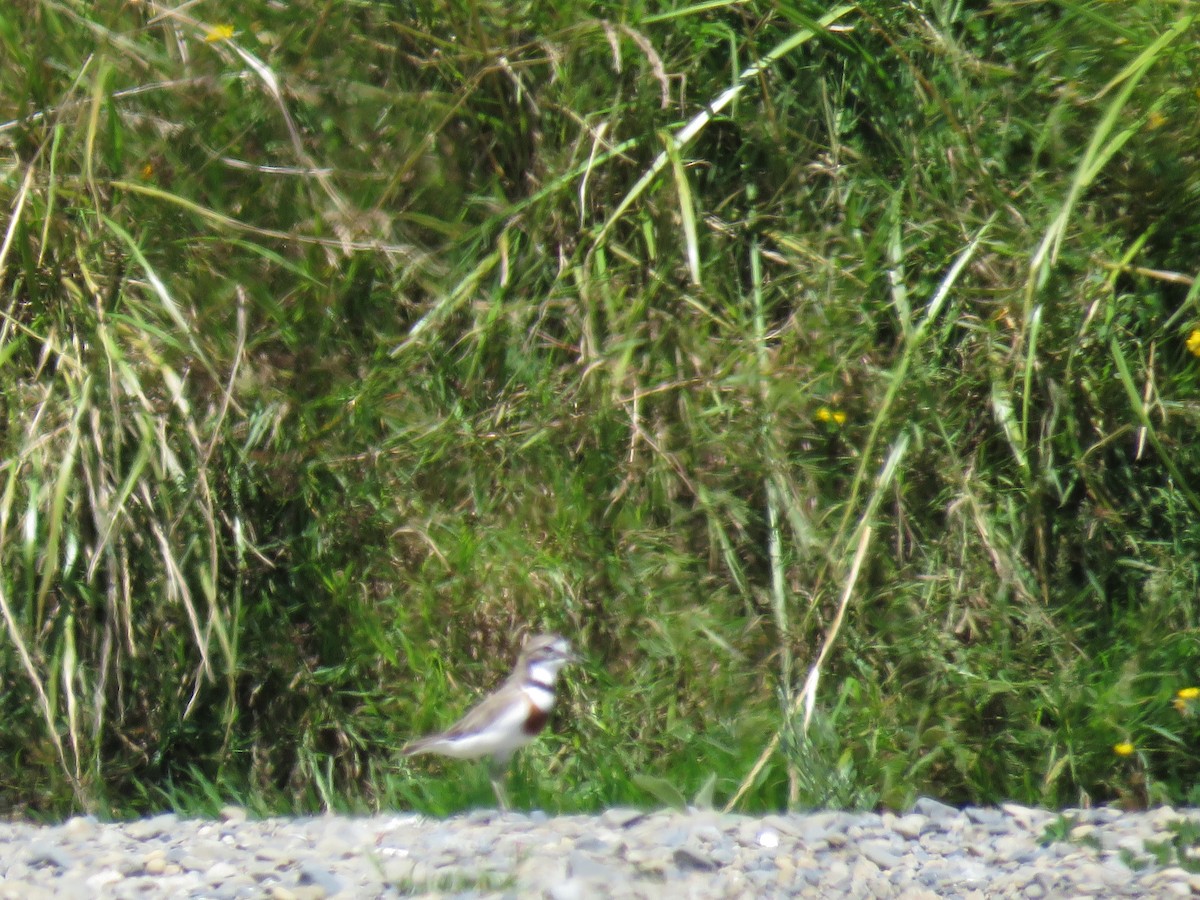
[931, 851]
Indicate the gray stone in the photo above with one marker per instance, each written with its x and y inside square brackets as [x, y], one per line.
[1017, 848]
[694, 860]
[911, 826]
[571, 889]
[78, 828]
[767, 838]
[14, 889]
[935, 809]
[1081, 833]
[797, 826]
[864, 871]
[761, 880]
[970, 874]
[880, 853]
[864, 821]
[103, 879]
[593, 844]
[315, 874]
[621, 817]
[837, 874]
[234, 814]
[42, 853]
[482, 816]
[145, 829]
[991, 819]
[1027, 817]
[580, 865]
[723, 855]
[674, 837]
[653, 861]
[221, 872]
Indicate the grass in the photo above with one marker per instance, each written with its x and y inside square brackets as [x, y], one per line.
[1178, 849]
[827, 374]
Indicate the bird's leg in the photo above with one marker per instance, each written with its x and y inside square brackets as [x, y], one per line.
[496, 771]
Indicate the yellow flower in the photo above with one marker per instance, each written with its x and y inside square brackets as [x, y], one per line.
[837, 417]
[1123, 749]
[1156, 120]
[1193, 342]
[1183, 700]
[219, 33]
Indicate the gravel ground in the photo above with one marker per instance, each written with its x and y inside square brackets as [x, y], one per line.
[932, 851]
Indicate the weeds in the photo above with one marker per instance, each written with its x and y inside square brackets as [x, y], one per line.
[828, 374]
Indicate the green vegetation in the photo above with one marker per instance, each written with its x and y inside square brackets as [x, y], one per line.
[751, 345]
[1179, 849]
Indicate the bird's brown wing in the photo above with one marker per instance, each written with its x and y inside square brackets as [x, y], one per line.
[503, 705]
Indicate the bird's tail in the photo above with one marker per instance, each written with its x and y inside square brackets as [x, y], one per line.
[420, 745]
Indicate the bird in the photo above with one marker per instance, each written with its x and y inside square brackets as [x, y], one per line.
[510, 717]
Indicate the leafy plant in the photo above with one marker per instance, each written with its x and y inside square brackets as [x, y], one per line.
[829, 373]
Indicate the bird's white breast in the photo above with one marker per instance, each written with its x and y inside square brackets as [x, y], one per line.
[540, 696]
[543, 673]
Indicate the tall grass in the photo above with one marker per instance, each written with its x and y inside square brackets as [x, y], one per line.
[823, 372]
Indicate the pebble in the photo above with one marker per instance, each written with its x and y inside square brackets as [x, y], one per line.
[933, 850]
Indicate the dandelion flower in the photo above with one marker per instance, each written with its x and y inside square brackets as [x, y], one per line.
[1193, 342]
[1123, 749]
[1184, 698]
[837, 417]
[219, 33]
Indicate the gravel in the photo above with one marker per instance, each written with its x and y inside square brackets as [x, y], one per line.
[933, 850]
